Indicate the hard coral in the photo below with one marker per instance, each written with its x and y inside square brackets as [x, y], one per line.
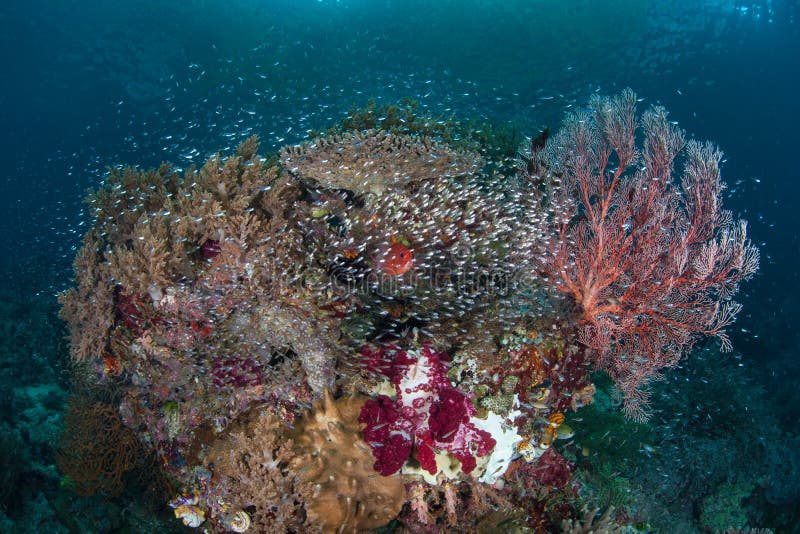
[316, 477]
[407, 230]
[89, 325]
[349, 496]
[250, 470]
[375, 161]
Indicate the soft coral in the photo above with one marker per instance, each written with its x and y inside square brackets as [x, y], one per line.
[428, 413]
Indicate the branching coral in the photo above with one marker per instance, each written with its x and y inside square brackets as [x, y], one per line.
[466, 506]
[89, 324]
[417, 237]
[251, 466]
[318, 476]
[651, 265]
[591, 523]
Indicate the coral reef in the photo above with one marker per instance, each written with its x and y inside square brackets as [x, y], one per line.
[372, 330]
[429, 245]
[250, 464]
[427, 414]
[316, 476]
[725, 508]
[591, 523]
[375, 161]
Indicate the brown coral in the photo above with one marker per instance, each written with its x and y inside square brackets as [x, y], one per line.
[427, 201]
[95, 448]
[88, 325]
[349, 496]
[250, 465]
[170, 284]
[313, 337]
[374, 161]
[317, 477]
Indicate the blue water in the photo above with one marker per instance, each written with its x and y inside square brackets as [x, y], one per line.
[87, 85]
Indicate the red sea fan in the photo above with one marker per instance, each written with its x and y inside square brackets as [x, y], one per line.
[651, 262]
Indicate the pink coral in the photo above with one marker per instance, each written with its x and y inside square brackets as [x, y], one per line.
[131, 310]
[388, 361]
[390, 447]
[210, 249]
[236, 372]
[551, 470]
[427, 414]
[651, 264]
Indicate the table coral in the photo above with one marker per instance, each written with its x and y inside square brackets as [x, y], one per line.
[374, 161]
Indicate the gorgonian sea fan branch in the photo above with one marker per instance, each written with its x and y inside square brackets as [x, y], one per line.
[649, 258]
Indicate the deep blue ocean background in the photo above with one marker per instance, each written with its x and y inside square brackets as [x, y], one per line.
[91, 84]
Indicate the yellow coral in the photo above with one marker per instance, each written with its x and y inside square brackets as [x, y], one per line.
[556, 419]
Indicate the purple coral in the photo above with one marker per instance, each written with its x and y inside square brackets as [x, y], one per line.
[210, 249]
[427, 414]
[236, 372]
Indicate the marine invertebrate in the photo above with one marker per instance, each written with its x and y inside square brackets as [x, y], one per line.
[95, 448]
[235, 294]
[592, 523]
[316, 477]
[250, 465]
[332, 456]
[651, 265]
[190, 515]
[552, 470]
[295, 323]
[88, 325]
[375, 161]
[238, 521]
[428, 413]
[583, 397]
[411, 235]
